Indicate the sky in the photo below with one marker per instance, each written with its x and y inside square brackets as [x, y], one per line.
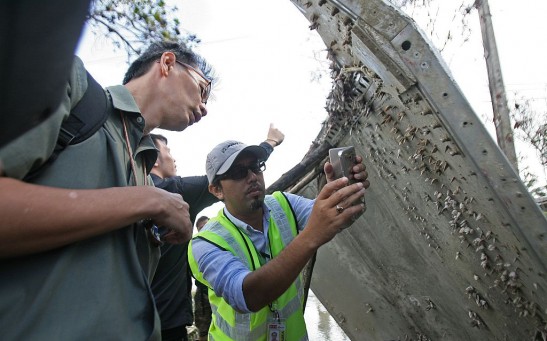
[268, 70]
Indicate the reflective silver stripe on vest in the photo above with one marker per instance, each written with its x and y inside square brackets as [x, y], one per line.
[241, 331]
[280, 218]
[220, 230]
[243, 334]
[242, 321]
[284, 226]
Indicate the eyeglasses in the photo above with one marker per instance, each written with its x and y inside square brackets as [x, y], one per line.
[240, 172]
[203, 82]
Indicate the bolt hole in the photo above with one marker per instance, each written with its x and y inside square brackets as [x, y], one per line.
[406, 45]
[484, 152]
[445, 95]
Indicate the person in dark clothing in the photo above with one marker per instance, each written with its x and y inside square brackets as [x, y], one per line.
[172, 284]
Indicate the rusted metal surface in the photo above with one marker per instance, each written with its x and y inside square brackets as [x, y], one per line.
[452, 246]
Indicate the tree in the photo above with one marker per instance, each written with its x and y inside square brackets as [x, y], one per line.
[133, 25]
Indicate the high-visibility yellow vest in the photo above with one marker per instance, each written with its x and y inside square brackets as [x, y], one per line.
[228, 324]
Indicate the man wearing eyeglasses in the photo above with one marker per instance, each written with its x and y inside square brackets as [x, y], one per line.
[251, 255]
[171, 285]
[77, 242]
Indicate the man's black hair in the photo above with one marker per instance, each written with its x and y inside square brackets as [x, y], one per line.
[158, 137]
[182, 52]
[202, 218]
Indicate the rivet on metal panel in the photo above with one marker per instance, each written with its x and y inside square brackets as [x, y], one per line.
[406, 45]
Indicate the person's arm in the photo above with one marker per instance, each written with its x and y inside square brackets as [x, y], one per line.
[275, 136]
[223, 270]
[274, 139]
[264, 285]
[37, 218]
[195, 191]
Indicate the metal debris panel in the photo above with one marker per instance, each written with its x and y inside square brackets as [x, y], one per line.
[452, 246]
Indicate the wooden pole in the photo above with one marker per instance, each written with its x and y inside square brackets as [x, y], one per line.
[502, 120]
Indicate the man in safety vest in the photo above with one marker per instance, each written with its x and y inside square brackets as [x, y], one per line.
[252, 253]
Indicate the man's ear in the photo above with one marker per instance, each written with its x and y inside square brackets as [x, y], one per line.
[216, 191]
[156, 170]
[167, 62]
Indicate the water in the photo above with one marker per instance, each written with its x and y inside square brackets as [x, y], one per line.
[321, 325]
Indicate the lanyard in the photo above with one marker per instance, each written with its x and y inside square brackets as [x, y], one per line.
[151, 230]
[130, 154]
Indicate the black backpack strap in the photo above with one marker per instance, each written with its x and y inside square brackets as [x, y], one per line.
[89, 114]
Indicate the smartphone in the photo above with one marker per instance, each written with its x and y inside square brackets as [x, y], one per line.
[343, 160]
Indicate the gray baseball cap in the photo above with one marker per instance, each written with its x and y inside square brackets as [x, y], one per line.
[221, 158]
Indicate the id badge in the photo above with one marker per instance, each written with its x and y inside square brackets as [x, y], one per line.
[276, 330]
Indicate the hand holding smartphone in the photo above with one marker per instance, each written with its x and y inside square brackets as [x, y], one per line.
[343, 160]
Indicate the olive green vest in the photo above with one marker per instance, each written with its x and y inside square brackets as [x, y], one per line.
[228, 324]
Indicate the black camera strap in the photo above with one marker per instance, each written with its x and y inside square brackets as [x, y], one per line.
[89, 114]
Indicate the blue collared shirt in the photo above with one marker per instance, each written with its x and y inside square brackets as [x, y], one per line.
[226, 272]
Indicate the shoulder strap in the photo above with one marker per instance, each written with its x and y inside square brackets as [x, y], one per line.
[89, 114]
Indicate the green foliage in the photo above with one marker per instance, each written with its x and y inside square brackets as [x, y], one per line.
[133, 25]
